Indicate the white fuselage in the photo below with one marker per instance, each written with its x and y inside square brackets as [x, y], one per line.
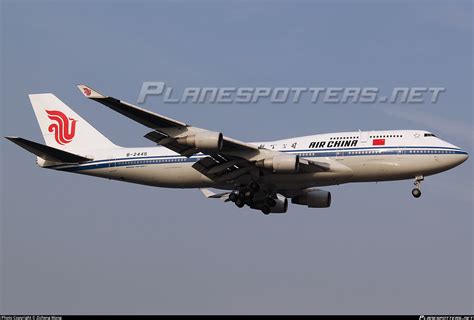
[369, 155]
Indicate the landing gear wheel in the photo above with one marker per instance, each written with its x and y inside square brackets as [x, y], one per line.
[416, 192]
[239, 202]
[232, 197]
[248, 194]
[266, 210]
[249, 202]
[270, 202]
[254, 186]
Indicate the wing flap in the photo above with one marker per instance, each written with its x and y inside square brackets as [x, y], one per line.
[326, 165]
[309, 166]
[170, 143]
[212, 195]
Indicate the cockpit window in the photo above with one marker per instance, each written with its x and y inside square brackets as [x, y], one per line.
[429, 135]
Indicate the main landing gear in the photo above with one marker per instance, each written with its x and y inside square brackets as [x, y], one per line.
[238, 199]
[242, 197]
[416, 192]
[250, 195]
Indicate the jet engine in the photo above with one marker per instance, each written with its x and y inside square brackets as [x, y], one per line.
[285, 163]
[314, 199]
[207, 140]
[281, 205]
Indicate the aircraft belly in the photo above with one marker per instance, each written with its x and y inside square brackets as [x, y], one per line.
[181, 176]
[306, 180]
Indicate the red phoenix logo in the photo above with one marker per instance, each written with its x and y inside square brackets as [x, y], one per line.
[64, 129]
[87, 91]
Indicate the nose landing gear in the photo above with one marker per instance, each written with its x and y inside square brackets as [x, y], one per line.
[416, 192]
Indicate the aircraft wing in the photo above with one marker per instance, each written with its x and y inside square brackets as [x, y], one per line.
[227, 158]
[167, 130]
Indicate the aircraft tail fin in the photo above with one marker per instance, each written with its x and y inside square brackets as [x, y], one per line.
[64, 129]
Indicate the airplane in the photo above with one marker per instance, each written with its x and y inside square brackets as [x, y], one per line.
[260, 175]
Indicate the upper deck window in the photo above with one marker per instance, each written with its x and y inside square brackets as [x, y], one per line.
[429, 135]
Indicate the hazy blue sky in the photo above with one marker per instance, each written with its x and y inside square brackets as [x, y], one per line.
[77, 244]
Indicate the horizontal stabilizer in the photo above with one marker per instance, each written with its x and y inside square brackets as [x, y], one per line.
[46, 152]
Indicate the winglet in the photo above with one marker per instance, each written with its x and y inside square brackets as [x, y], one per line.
[89, 92]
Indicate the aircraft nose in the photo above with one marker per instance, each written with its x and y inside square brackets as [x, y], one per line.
[461, 157]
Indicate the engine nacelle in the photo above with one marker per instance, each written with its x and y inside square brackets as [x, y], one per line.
[314, 199]
[281, 205]
[207, 140]
[285, 163]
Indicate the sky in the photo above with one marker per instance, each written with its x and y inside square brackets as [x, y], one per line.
[73, 244]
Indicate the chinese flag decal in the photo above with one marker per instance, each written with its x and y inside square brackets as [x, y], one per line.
[378, 142]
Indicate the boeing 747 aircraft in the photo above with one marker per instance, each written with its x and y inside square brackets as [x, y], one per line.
[261, 175]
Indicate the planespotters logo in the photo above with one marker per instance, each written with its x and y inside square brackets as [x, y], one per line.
[64, 128]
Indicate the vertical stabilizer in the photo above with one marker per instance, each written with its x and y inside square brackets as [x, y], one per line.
[64, 129]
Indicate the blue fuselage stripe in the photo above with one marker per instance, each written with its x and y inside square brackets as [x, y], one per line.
[346, 152]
